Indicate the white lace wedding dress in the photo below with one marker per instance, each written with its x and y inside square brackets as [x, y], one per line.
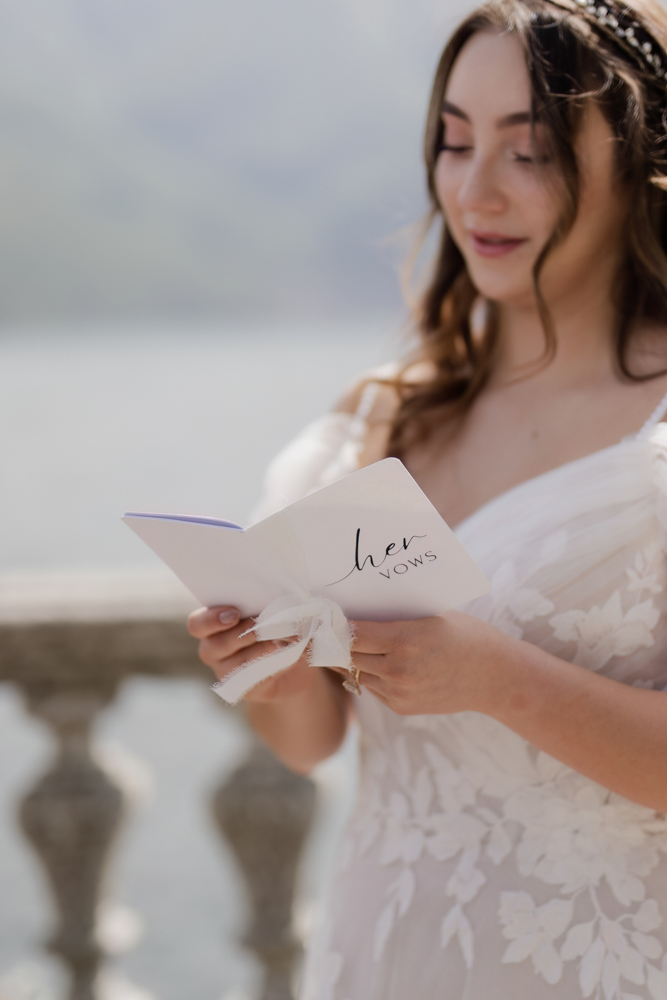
[476, 867]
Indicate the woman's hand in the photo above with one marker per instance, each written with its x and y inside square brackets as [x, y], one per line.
[433, 665]
[223, 648]
[301, 713]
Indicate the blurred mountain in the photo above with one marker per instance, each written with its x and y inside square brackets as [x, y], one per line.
[176, 159]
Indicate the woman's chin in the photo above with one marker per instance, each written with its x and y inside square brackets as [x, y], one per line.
[503, 290]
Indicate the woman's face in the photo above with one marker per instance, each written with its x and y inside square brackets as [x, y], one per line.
[500, 203]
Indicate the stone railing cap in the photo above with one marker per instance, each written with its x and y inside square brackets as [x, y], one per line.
[78, 596]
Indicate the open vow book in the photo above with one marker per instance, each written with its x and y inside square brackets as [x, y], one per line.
[370, 546]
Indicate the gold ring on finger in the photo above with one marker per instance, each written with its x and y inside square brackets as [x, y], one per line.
[353, 683]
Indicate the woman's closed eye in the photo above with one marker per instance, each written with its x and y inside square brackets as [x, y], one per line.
[450, 147]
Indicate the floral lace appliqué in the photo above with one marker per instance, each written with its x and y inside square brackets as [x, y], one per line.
[513, 605]
[561, 829]
[609, 951]
[603, 632]
[503, 803]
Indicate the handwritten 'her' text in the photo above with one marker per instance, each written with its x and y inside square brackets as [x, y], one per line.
[391, 551]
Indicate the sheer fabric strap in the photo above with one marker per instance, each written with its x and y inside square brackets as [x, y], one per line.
[366, 401]
[654, 419]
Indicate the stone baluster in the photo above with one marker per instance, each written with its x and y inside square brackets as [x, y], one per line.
[71, 818]
[69, 646]
[264, 812]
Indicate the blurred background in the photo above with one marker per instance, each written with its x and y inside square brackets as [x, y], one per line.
[203, 213]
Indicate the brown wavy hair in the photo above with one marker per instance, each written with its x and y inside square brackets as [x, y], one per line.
[569, 61]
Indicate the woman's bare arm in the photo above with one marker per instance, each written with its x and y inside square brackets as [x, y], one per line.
[614, 733]
[307, 727]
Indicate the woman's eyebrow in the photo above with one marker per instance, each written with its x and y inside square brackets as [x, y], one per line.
[507, 121]
[451, 109]
[518, 118]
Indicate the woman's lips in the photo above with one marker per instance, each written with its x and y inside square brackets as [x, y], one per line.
[494, 244]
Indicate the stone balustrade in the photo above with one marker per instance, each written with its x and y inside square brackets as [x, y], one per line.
[68, 643]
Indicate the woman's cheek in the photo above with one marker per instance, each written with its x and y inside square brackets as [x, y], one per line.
[447, 189]
[448, 178]
[537, 203]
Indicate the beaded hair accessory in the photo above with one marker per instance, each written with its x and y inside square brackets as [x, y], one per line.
[617, 22]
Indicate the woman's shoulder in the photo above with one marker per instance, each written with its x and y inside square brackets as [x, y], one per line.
[353, 434]
[374, 398]
[388, 382]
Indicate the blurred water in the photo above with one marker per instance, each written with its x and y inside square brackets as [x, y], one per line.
[182, 420]
[173, 420]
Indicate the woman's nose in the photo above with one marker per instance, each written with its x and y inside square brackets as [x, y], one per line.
[480, 190]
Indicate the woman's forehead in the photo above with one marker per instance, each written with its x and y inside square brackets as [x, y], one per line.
[489, 78]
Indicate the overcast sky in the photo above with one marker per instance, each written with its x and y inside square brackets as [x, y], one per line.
[172, 160]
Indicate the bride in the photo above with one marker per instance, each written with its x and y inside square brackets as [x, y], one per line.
[509, 839]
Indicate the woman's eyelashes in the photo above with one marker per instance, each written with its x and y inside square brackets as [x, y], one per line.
[450, 147]
[522, 145]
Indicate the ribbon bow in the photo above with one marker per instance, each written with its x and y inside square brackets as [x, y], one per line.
[316, 620]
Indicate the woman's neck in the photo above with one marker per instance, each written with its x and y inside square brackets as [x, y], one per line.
[584, 327]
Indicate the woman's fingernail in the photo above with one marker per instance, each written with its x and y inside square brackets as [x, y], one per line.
[229, 617]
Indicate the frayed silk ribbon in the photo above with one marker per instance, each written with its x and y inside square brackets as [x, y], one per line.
[315, 620]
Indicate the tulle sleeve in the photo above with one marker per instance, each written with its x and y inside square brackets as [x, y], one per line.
[326, 450]
[658, 442]
[323, 451]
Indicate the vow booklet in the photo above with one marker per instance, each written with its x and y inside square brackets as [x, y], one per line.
[371, 542]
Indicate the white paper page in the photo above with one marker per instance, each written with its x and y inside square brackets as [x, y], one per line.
[372, 541]
[217, 565]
